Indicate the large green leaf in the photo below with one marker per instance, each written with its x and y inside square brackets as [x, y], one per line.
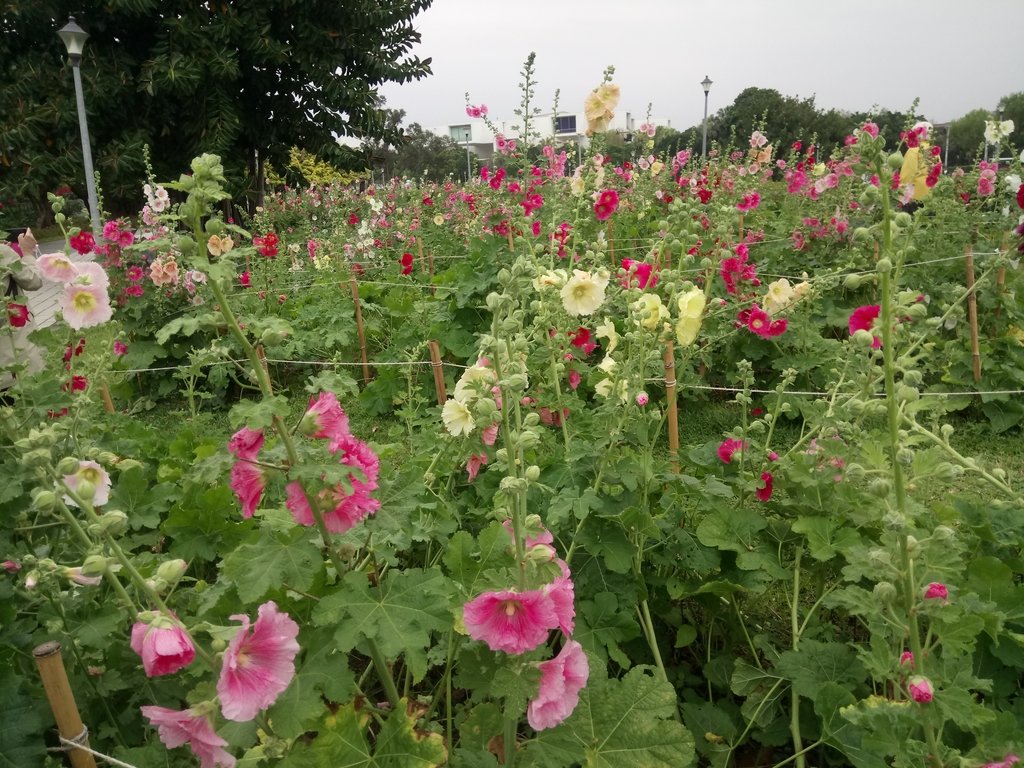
[399, 613]
[276, 560]
[618, 723]
[815, 664]
[324, 674]
[21, 739]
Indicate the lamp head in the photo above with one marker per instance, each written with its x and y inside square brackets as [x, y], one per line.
[74, 38]
[706, 83]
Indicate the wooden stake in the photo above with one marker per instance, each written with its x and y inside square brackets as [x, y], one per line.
[1001, 273]
[511, 247]
[430, 271]
[419, 252]
[62, 702]
[972, 313]
[435, 365]
[108, 403]
[611, 246]
[671, 414]
[742, 233]
[359, 329]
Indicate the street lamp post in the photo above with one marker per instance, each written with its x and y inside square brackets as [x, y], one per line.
[706, 84]
[74, 38]
[469, 164]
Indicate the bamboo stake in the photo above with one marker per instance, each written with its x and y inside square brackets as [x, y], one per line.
[62, 702]
[359, 329]
[108, 403]
[1001, 273]
[742, 233]
[430, 271]
[435, 364]
[671, 413]
[508, 234]
[972, 313]
[419, 252]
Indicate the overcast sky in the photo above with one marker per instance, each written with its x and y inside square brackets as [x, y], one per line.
[956, 55]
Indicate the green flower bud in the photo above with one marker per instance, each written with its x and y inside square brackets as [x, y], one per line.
[531, 419]
[905, 456]
[943, 533]
[67, 466]
[884, 266]
[271, 337]
[861, 235]
[533, 473]
[885, 592]
[107, 458]
[852, 282]
[907, 394]
[539, 553]
[912, 545]
[95, 565]
[880, 487]
[86, 490]
[171, 571]
[862, 338]
[39, 457]
[895, 161]
[114, 522]
[218, 644]
[903, 219]
[946, 430]
[504, 276]
[913, 378]
[44, 501]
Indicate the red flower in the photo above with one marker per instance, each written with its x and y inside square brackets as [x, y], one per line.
[406, 262]
[933, 175]
[266, 245]
[1020, 196]
[765, 491]
[760, 322]
[606, 204]
[83, 242]
[863, 318]
[728, 447]
[245, 280]
[581, 339]
[17, 314]
[642, 275]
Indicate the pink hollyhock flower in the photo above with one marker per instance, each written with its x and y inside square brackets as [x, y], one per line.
[748, 202]
[606, 205]
[247, 479]
[342, 510]
[17, 314]
[257, 666]
[189, 727]
[490, 435]
[57, 267]
[563, 596]
[639, 274]
[642, 399]
[135, 273]
[574, 379]
[562, 679]
[580, 338]
[246, 443]
[325, 418]
[906, 659]
[920, 689]
[96, 475]
[163, 645]
[936, 591]
[85, 306]
[83, 242]
[120, 348]
[729, 446]
[245, 280]
[11, 566]
[535, 537]
[764, 493]
[760, 323]
[474, 463]
[871, 129]
[985, 186]
[513, 622]
[1007, 762]
[863, 318]
[406, 262]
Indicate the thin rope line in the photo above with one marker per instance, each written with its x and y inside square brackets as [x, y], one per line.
[709, 388]
[80, 742]
[285, 362]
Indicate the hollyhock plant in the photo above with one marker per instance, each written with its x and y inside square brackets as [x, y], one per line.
[192, 728]
[639, 273]
[247, 479]
[691, 315]
[325, 418]
[606, 205]
[583, 293]
[863, 318]
[257, 666]
[562, 679]
[163, 645]
[513, 622]
[95, 475]
[728, 447]
[764, 492]
[406, 262]
[457, 418]
[562, 593]
[920, 689]
[57, 267]
[17, 314]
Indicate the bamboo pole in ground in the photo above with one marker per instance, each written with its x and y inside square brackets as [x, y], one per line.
[508, 234]
[742, 233]
[972, 313]
[359, 329]
[419, 252]
[1001, 273]
[62, 702]
[108, 403]
[671, 414]
[436, 367]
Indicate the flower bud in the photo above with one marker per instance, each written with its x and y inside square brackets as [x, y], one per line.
[68, 466]
[895, 161]
[861, 235]
[912, 545]
[95, 565]
[107, 458]
[540, 553]
[852, 282]
[903, 219]
[528, 439]
[44, 501]
[533, 473]
[531, 419]
[39, 457]
[171, 571]
[943, 533]
[86, 490]
[905, 456]
[884, 266]
[906, 394]
[880, 487]
[113, 522]
[885, 592]
[920, 689]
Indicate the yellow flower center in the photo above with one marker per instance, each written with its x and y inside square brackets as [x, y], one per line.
[511, 607]
[84, 301]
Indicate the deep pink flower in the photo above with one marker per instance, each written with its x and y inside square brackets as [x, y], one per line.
[266, 245]
[580, 338]
[1007, 762]
[574, 379]
[17, 314]
[406, 262]
[606, 205]
[562, 594]
[135, 273]
[188, 727]
[764, 493]
[83, 242]
[639, 273]
[863, 318]
[871, 129]
[562, 679]
[729, 446]
[748, 202]
[245, 280]
[642, 398]
[760, 323]
[120, 348]
[489, 435]
[936, 591]
[325, 418]
[246, 443]
[907, 659]
[164, 646]
[247, 479]
[513, 622]
[341, 509]
[985, 186]
[257, 666]
[920, 689]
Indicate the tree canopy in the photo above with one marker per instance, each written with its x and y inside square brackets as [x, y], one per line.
[247, 81]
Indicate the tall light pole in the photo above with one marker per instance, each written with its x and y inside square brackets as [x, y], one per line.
[706, 84]
[469, 164]
[74, 38]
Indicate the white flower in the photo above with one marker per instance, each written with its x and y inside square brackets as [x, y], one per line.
[583, 294]
[457, 418]
[996, 131]
[606, 387]
[467, 389]
[95, 474]
[608, 365]
[1013, 182]
[651, 312]
[606, 330]
[779, 296]
[550, 278]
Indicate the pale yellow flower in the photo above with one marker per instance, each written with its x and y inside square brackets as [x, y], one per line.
[779, 296]
[650, 311]
[576, 183]
[474, 379]
[439, 220]
[583, 294]
[550, 278]
[606, 330]
[599, 107]
[691, 314]
[656, 167]
[800, 290]
[219, 245]
[608, 365]
[606, 387]
[457, 418]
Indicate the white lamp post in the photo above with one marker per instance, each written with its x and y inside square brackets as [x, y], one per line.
[706, 84]
[74, 38]
[469, 164]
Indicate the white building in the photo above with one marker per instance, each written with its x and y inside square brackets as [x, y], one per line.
[567, 129]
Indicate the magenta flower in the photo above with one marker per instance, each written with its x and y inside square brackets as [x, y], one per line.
[906, 659]
[606, 205]
[562, 679]
[728, 447]
[764, 493]
[513, 622]
[1007, 762]
[863, 318]
[936, 591]
[325, 418]
[761, 324]
[563, 595]
[164, 646]
[257, 666]
[871, 129]
[920, 689]
[188, 727]
[342, 509]
[246, 443]
[120, 348]
[247, 479]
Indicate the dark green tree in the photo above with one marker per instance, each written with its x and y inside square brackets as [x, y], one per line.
[421, 154]
[967, 137]
[1011, 107]
[244, 80]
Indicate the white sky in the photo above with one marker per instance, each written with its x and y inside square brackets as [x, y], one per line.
[850, 54]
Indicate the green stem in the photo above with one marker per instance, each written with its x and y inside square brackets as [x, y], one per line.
[794, 619]
[511, 730]
[380, 664]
